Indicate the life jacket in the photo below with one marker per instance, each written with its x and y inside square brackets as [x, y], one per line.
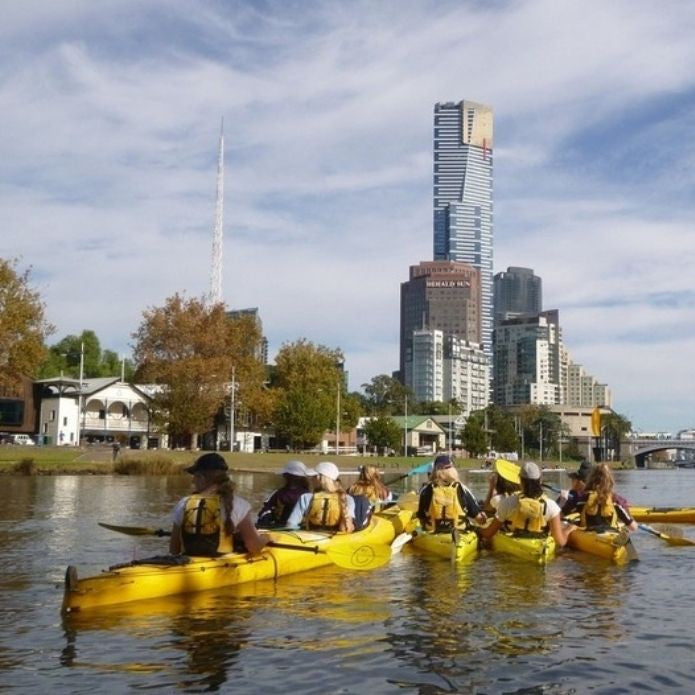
[595, 515]
[324, 511]
[202, 531]
[445, 511]
[528, 518]
[279, 506]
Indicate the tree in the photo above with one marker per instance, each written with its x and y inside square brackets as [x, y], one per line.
[473, 435]
[64, 359]
[191, 349]
[615, 428]
[501, 428]
[538, 421]
[305, 382]
[385, 395]
[383, 433]
[23, 327]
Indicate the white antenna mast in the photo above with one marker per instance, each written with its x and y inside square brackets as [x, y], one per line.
[216, 270]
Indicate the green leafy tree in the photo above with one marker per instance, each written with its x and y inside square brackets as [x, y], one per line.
[383, 433]
[23, 327]
[305, 383]
[615, 428]
[473, 435]
[502, 430]
[385, 395]
[537, 421]
[191, 349]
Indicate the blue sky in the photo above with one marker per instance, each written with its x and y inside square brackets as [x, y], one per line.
[109, 119]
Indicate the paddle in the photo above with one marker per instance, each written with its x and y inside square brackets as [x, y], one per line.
[357, 556]
[671, 540]
[423, 468]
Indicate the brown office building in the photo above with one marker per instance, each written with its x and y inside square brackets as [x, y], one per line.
[440, 295]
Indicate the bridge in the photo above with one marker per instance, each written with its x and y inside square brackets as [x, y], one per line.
[641, 448]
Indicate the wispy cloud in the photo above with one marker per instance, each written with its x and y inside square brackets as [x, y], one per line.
[109, 115]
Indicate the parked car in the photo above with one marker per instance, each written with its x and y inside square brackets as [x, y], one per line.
[22, 439]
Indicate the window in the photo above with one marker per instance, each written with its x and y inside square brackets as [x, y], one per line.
[52, 415]
[65, 422]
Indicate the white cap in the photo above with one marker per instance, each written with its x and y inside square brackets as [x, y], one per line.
[297, 468]
[330, 470]
[530, 471]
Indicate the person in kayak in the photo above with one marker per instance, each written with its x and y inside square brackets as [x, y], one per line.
[328, 507]
[567, 499]
[504, 481]
[207, 522]
[529, 513]
[446, 504]
[599, 506]
[278, 507]
[371, 486]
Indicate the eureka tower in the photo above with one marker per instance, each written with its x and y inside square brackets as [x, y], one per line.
[463, 220]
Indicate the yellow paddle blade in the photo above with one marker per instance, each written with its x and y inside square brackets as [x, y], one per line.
[135, 530]
[673, 535]
[363, 556]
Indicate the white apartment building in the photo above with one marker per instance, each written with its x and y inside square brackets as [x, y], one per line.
[529, 361]
[583, 390]
[446, 367]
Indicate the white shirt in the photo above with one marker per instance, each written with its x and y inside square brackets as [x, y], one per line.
[506, 506]
[240, 509]
[302, 506]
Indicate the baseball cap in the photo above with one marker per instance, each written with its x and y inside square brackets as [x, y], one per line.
[208, 462]
[298, 468]
[330, 470]
[441, 462]
[507, 470]
[530, 471]
[582, 473]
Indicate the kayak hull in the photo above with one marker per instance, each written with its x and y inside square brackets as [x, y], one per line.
[535, 550]
[664, 515]
[464, 549]
[610, 545]
[146, 580]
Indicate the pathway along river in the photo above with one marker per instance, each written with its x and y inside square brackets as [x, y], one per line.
[416, 625]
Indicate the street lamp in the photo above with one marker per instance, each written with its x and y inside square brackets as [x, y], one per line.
[339, 366]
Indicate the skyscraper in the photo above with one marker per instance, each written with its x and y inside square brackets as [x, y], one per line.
[440, 295]
[463, 219]
[518, 292]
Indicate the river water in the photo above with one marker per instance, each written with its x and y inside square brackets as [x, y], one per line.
[416, 625]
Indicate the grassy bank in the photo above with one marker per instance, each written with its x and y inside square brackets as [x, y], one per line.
[46, 460]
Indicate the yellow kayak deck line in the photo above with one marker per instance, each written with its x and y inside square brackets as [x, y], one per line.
[610, 545]
[159, 577]
[664, 515]
[458, 549]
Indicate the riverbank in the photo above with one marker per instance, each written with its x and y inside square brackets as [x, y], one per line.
[46, 460]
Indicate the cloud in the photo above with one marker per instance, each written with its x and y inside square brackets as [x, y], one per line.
[110, 118]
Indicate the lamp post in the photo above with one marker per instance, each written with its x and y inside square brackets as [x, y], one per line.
[405, 426]
[79, 398]
[231, 412]
[337, 421]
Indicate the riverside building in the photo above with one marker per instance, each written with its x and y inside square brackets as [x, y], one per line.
[530, 361]
[446, 367]
[517, 292]
[462, 195]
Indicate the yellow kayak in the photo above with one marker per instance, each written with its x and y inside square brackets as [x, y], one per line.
[463, 548]
[664, 515]
[170, 575]
[537, 550]
[615, 546]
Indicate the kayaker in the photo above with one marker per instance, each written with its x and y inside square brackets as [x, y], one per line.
[599, 506]
[567, 499]
[504, 481]
[371, 486]
[529, 513]
[329, 507]
[445, 503]
[207, 522]
[278, 507]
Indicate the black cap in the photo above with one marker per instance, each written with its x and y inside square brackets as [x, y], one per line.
[441, 462]
[208, 462]
[582, 473]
